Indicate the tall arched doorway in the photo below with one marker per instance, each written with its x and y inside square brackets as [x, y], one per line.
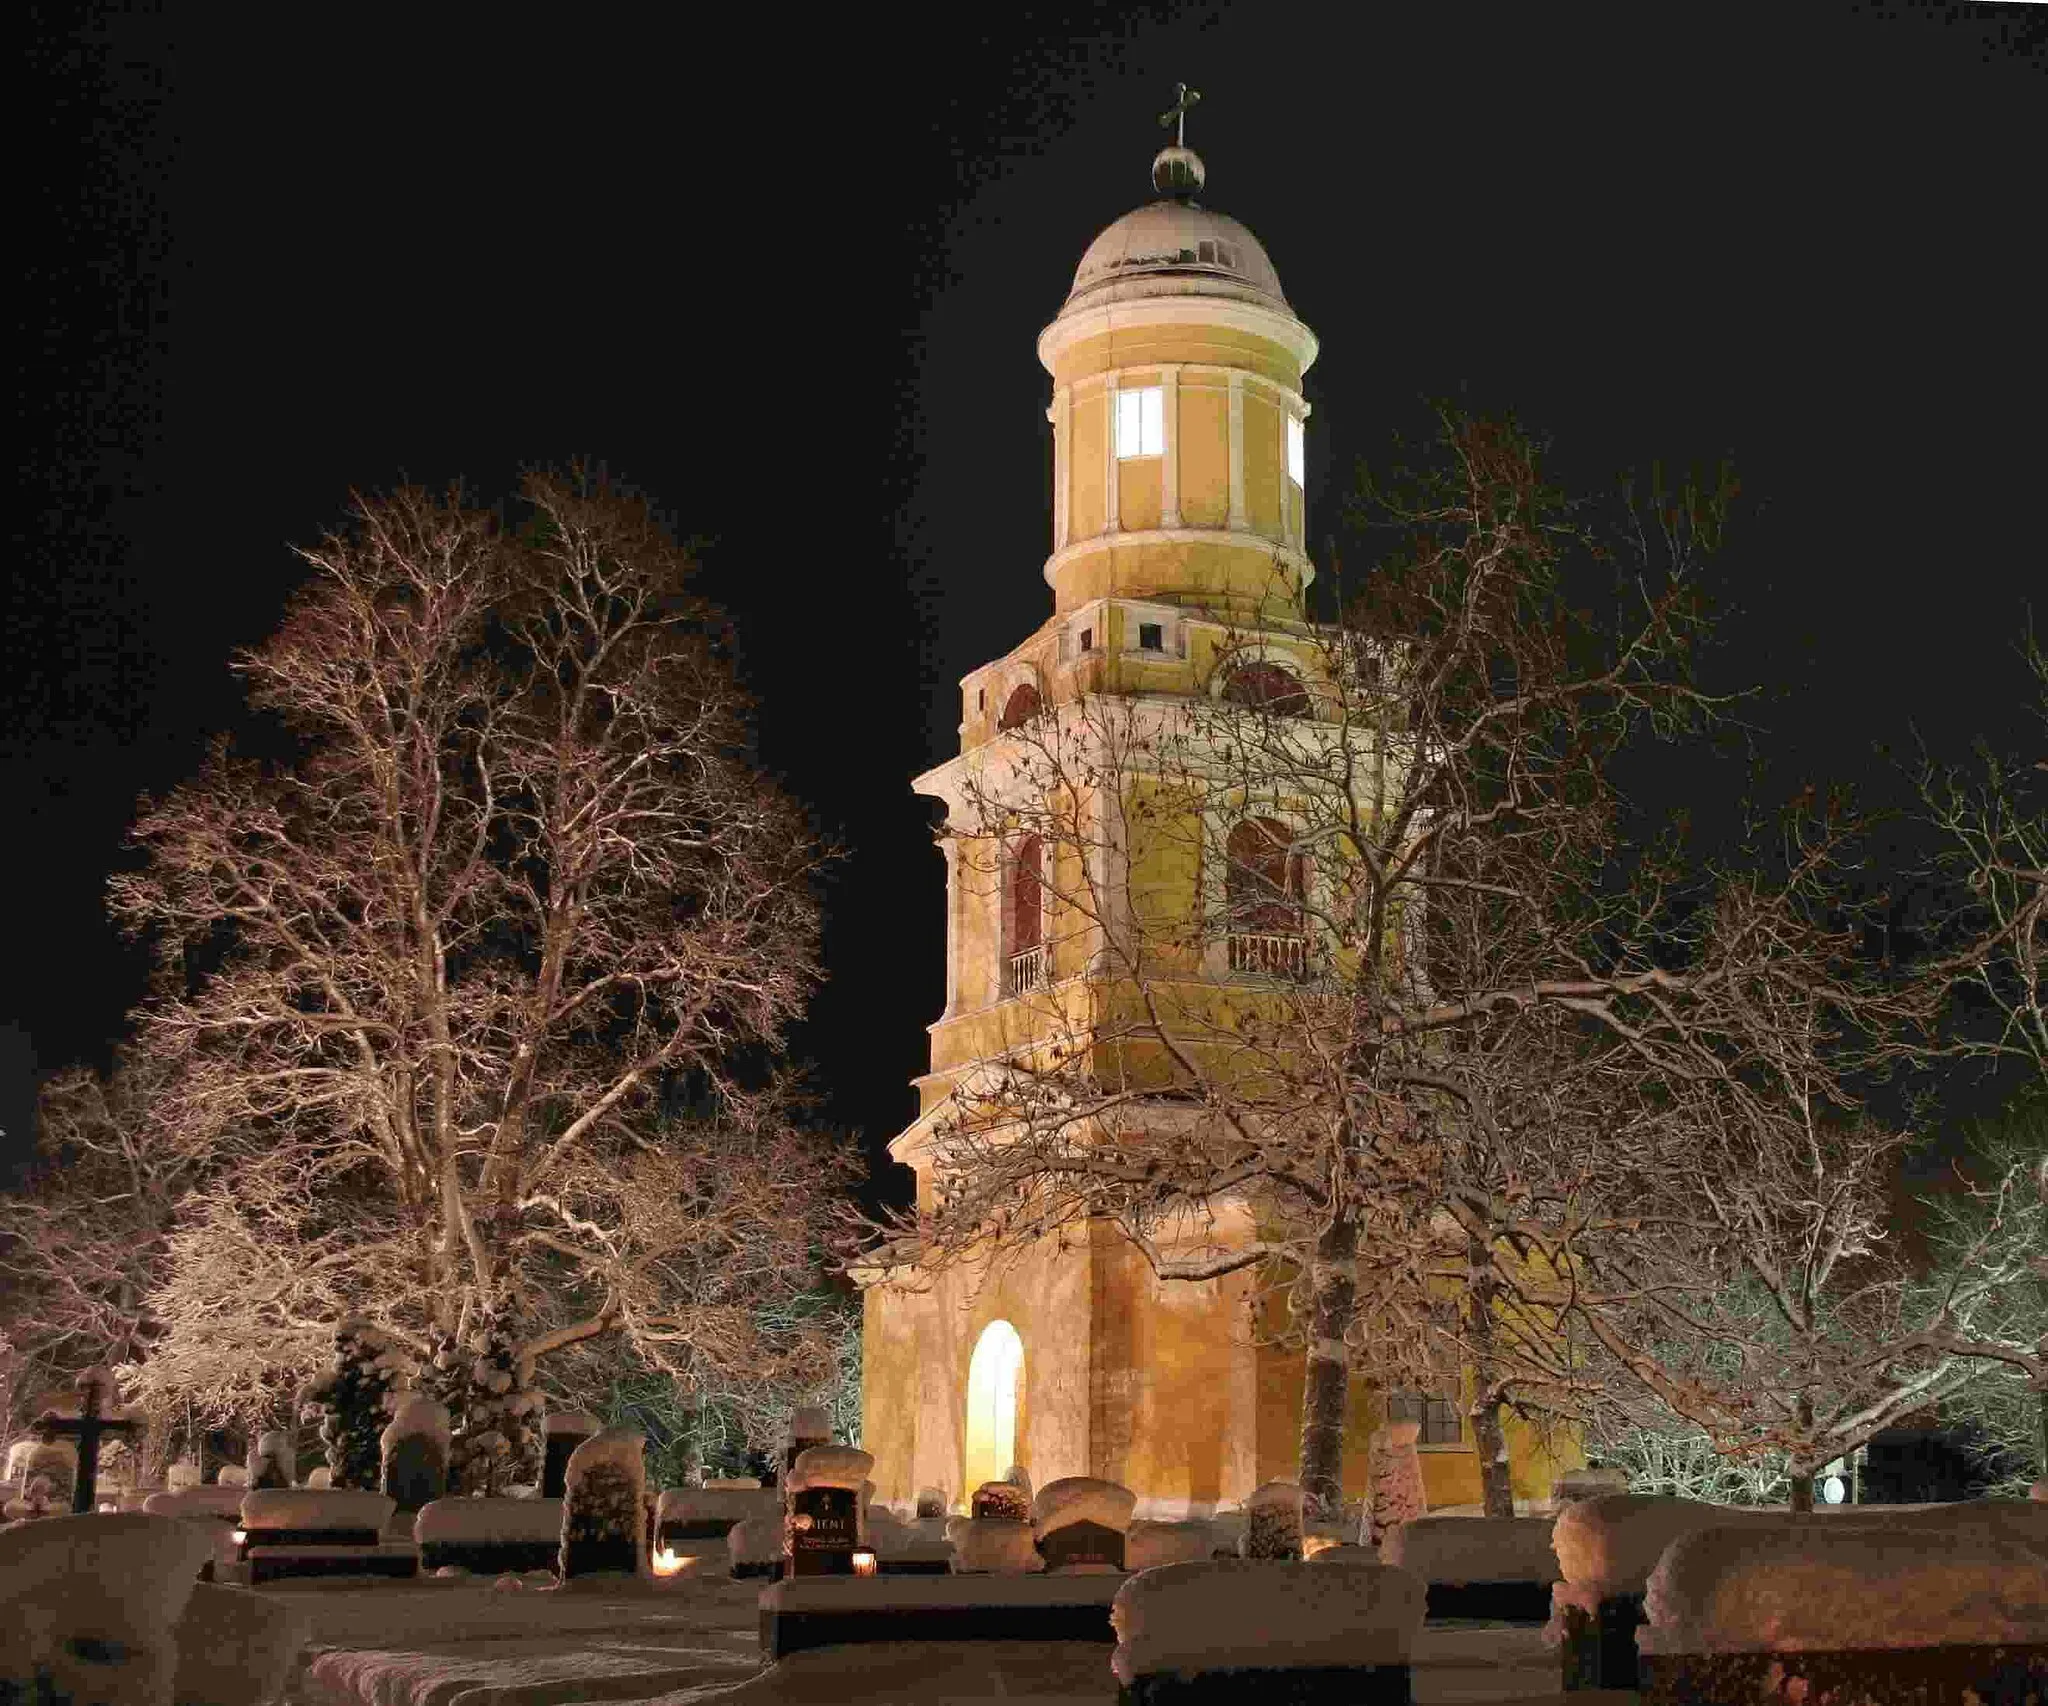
[995, 1382]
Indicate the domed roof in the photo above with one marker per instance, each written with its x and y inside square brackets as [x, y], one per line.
[1175, 248]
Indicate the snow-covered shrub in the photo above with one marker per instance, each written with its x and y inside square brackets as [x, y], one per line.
[355, 1398]
[499, 1440]
[444, 1378]
[604, 1520]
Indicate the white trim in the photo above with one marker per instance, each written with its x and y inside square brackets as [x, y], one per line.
[1291, 558]
[1112, 477]
[1062, 473]
[1237, 521]
[1284, 330]
[1169, 473]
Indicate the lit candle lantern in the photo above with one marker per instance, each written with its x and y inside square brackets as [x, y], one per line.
[241, 1537]
[863, 1563]
[667, 1563]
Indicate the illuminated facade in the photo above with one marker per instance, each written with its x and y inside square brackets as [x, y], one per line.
[1178, 525]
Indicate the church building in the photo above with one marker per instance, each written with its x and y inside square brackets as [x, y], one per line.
[1178, 522]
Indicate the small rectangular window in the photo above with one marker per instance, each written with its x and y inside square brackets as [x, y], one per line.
[1151, 637]
[1297, 457]
[1087, 639]
[1141, 422]
[981, 698]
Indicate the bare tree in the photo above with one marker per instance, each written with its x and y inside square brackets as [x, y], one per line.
[84, 1238]
[428, 978]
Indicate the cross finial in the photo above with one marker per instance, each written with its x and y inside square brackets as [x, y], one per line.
[1177, 114]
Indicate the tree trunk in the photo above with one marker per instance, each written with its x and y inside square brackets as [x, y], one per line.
[2044, 1433]
[1802, 1479]
[1326, 1371]
[1496, 1481]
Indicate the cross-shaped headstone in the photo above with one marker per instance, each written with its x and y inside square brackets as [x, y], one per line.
[1177, 114]
[88, 1428]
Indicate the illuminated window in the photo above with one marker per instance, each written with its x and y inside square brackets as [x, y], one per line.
[1297, 456]
[1141, 422]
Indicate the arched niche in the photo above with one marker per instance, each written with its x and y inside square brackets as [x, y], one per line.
[995, 1389]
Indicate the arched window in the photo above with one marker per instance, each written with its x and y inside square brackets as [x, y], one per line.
[1020, 707]
[1023, 916]
[1266, 687]
[995, 1383]
[1266, 884]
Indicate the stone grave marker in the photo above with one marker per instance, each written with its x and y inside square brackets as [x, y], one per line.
[1272, 1527]
[824, 1509]
[415, 1453]
[271, 1461]
[1080, 1524]
[604, 1525]
[566, 1430]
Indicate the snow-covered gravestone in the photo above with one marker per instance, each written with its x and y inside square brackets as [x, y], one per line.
[55, 1464]
[604, 1526]
[1820, 1609]
[1272, 1521]
[1394, 1468]
[1079, 1524]
[38, 1498]
[272, 1460]
[355, 1398]
[415, 1454]
[1254, 1630]
[997, 1538]
[93, 1603]
[823, 1526]
[566, 1430]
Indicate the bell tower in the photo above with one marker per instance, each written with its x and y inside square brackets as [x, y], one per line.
[1178, 420]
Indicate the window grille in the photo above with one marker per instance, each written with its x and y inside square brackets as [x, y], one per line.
[1441, 1423]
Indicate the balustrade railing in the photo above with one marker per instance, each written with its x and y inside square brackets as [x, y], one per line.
[1269, 955]
[1024, 972]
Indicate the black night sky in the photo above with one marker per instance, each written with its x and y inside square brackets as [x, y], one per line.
[786, 277]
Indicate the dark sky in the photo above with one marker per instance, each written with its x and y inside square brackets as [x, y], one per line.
[787, 277]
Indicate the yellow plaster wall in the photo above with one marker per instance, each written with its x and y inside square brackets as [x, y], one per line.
[1086, 512]
[1140, 489]
[1156, 345]
[1204, 445]
[1265, 456]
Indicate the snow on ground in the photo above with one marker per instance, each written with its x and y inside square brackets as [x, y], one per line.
[695, 1643]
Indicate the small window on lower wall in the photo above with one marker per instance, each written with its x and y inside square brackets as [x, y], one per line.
[1151, 636]
[1441, 1423]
